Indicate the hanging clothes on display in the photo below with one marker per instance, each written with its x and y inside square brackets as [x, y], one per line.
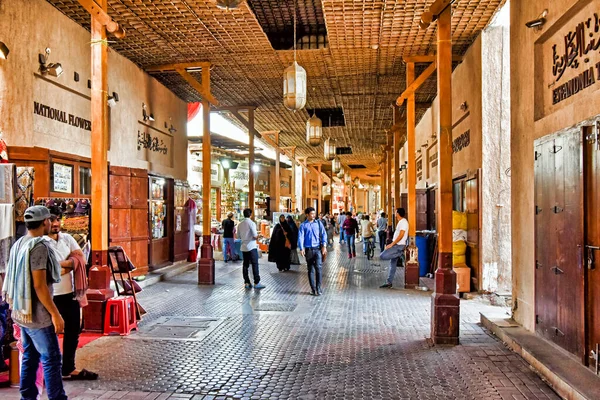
[192, 210]
[7, 212]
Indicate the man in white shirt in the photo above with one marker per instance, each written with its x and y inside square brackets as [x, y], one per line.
[395, 250]
[64, 245]
[246, 231]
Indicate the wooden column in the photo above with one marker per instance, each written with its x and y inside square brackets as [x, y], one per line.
[382, 205]
[277, 191]
[206, 264]
[389, 208]
[99, 138]
[293, 188]
[411, 277]
[397, 137]
[320, 191]
[251, 177]
[445, 302]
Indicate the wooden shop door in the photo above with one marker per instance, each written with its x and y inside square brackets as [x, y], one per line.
[559, 240]
[592, 238]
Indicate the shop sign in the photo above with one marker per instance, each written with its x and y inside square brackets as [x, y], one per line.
[61, 116]
[568, 60]
[461, 142]
[154, 146]
[433, 159]
[419, 169]
[214, 172]
[284, 184]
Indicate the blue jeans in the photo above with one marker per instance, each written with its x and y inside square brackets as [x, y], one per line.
[369, 239]
[342, 235]
[351, 239]
[314, 262]
[393, 254]
[228, 248]
[41, 345]
[382, 238]
[250, 257]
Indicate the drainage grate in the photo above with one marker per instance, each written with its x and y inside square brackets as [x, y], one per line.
[275, 306]
[369, 271]
[178, 328]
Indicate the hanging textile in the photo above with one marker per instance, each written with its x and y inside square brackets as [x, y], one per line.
[7, 191]
[193, 110]
[7, 233]
[192, 210]
[24, 195]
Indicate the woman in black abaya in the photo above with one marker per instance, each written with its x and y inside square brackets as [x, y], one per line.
[293, 238]
[280, 245]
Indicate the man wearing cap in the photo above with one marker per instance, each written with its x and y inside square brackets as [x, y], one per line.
[228, 240]
[32, 270]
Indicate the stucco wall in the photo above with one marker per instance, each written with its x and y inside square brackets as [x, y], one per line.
[525, 73]
[28, 27]
[496, 273]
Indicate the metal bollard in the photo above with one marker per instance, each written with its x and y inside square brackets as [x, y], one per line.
[14, 374]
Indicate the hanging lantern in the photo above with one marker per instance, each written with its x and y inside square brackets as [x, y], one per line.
[314, 131]
[347, 178]
[336, 165]
[357, 181]
[294, 87]
[329, 149]
[376, 188]
[228, 4]
[341, 172]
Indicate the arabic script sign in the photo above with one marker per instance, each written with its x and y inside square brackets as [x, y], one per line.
[154, 146]
[568, 61]
[152, 143]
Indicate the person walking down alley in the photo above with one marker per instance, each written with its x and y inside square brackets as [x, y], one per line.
[395, 250]
[293, 238]
[382, 231]
[340, 221]
[247, 232]
[368, 232]
[70, 296]
[312, 242]
[350, 228]
[280, 246]
[228, 240]
[28, 288]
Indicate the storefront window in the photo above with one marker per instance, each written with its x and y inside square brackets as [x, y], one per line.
[85, 181]
[158, 208]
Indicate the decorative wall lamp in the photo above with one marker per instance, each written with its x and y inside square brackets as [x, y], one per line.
[404, 166]
[538, 22]
[52, 69]
[147, 116]
[171, 128]
[113, 99]
[3, 51]
[464, 106]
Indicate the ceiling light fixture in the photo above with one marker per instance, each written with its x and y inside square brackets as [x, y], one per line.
[255, 168]
[52, 69]
[336, 165]
[294, 81]
[329, 149]
[228, 4]
[3, 51]
[314, 131]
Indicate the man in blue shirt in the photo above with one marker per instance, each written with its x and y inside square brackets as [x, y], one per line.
[312, 242]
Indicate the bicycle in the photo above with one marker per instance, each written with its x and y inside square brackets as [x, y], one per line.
[370, 247]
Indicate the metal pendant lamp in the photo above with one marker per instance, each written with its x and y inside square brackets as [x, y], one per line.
[336, 165]
[341, 172]
[329, 149]
[294, 81]
[314, 131]
[228, 4]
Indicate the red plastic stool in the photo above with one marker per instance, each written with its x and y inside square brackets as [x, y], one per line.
[120, 315]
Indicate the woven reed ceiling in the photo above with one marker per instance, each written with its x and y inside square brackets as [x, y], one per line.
[360, 70]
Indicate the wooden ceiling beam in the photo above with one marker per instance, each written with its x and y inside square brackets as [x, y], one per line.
[175, 67]
[417, 83]
[201, 89]
[97, 12]
[428, 58]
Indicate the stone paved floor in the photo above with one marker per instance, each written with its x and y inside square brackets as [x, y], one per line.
[354, 342]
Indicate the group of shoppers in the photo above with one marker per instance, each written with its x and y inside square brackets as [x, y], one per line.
[44, 286]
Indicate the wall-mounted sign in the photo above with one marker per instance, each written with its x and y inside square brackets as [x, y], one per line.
[419, 164]
[284, 184]
[568, 60]
[433, 159]
[153, 143]
[461, 142]
[61, 116]
[214, 172]
[62, 178]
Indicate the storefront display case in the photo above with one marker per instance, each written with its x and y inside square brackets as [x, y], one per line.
[161, 220]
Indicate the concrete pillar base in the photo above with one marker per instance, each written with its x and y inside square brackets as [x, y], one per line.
[206, 263]
[445, 304]
[411, 275]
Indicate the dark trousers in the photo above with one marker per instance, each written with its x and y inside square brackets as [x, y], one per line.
[250, 257]
[382, 238]
[314, 262]
[69, 310]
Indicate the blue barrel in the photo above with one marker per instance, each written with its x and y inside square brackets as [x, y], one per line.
[424, 261]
